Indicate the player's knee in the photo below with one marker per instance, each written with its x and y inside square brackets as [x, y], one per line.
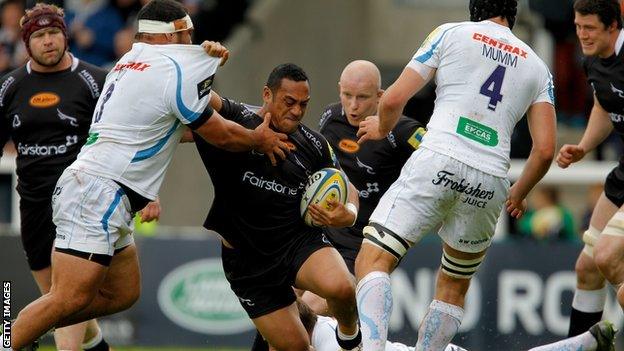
[606, 260]
[383, 250]
[459, 268]
[343, 292]
[590, 238]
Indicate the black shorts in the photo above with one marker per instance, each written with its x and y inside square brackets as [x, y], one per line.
[614, 185]
[264, 285]
[38, 232]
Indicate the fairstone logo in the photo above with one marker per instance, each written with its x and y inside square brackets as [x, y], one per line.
[196, 296]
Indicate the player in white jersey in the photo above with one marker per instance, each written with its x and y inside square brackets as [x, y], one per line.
[487, 79]
[322, 330]
[157, 87]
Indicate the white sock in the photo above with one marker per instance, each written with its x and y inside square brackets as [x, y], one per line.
[94, 340]
[439, 326]
[589, 301]
[583, 342]
[374, 302]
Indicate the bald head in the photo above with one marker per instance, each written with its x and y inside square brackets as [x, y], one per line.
[360, 90]
[361, 71]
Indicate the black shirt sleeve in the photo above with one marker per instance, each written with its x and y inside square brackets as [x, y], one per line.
[5, 132]
[234, 111]
[408, 133]
[6, 84]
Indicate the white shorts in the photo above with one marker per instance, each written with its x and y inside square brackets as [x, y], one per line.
[91, 214]
[434, 189]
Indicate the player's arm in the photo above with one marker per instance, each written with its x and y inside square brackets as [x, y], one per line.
[231, 136]
[543, 129]
[598, 129]
[393, 102]
[216, 103]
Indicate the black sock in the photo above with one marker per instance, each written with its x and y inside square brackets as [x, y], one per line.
[580, 322]
[259, 343]
[349, 344]
[101, 346]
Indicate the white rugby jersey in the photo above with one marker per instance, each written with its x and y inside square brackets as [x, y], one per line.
[486, 80]
[324, 338]
[147, 96]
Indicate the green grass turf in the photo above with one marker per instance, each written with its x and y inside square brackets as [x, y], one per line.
[50, 348]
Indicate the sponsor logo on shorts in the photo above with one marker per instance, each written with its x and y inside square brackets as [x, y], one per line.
[60, 236]
[271, 185]
[473, 242]
[474, 194]
[349, 146]
[197, 297]
[43, 100]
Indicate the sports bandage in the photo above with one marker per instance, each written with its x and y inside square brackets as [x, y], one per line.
[458, 267]
[615, 226]
[590, 237]
[385, 239]
[353, 209]
[158, 27]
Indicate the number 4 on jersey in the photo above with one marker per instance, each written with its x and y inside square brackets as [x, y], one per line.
[492, 87]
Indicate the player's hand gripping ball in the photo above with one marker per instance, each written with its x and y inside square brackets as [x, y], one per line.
[326, 184]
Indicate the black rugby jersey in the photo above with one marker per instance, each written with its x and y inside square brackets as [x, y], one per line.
[256, 204]
[606, 76]
[48, 117]
[372, 166]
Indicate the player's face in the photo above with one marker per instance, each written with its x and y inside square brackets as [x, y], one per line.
[47, 46]
[359, 99]
[288, 104]
[593, 35]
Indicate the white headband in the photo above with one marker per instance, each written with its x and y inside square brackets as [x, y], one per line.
[157, 27]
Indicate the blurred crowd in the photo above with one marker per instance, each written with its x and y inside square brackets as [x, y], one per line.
[101, 31]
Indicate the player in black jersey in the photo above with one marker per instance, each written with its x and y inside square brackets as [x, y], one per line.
[599, 29]
[267, 247]
[46, 108]
[373, 166]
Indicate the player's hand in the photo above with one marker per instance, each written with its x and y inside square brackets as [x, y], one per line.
[516, 206]
[270, 142]
[369, 130]
[336, 216]
[569, 154]
[215, 49]
[151, 211]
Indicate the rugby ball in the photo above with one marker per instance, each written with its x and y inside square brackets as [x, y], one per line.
[326, 184]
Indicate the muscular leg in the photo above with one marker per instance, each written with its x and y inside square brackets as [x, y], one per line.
[75, 282]
[119, 290]
[325, 274]
[609, 252]
[590, 294]
[283, 329]
[70, 337]
[316, 303]
[443, 319]
[374, 296]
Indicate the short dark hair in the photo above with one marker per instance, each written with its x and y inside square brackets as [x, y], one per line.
[485, 9]
[607, 10]
[162, 10]
[286, 70]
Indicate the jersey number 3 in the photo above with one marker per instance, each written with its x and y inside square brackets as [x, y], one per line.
[492, 87]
